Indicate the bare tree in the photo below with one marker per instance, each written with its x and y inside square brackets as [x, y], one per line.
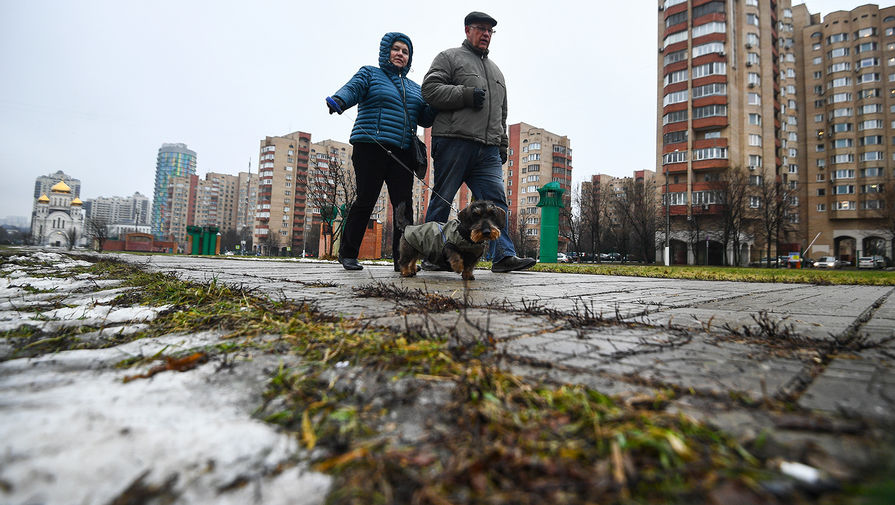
[332, 189]
[97, 229]
[637, 210]
[71, 235]
[734, 185]
[775, 205]
[593, 218]
[570, 221]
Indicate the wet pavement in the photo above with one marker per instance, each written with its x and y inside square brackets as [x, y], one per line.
[726, 347]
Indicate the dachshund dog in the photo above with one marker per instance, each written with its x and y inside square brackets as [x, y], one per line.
[456, 245]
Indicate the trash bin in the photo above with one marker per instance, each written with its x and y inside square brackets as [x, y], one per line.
[210, 240]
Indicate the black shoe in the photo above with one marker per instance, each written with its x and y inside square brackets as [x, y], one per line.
[511, 263]
[350, 264]
[433, 267]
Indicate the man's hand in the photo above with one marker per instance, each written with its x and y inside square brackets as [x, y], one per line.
[503, 156]
[335, 104]
[478, 98]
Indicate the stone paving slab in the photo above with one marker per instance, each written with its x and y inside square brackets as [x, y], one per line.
[861, 384]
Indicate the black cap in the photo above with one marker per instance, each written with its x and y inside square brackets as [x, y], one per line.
[476, 16]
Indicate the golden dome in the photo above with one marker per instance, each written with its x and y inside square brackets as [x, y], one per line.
[77, 201]
[61, 187]
[43, 199]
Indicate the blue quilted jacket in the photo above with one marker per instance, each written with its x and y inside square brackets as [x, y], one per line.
[390, 106]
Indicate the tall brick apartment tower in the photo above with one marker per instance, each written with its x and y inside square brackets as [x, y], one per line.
[280, 212]
[847, 67]
[727, 100]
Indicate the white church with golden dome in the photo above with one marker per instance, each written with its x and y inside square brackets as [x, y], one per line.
[58, 217]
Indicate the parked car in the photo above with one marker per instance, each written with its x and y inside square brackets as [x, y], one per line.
[765, 262]
[871, 262]
[827, 262]
[562, 258]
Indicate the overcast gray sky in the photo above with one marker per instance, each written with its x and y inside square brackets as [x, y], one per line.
[94, 87]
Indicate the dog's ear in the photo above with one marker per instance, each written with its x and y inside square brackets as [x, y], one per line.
[464, 215]
[502, 215]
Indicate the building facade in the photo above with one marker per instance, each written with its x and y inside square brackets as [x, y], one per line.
[848, 125]
[174, 160]
[129, 210]
[727, 101]
[282, 175]
[43, 184]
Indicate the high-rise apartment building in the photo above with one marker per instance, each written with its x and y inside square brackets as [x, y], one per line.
[247, 201]
[282, 172]
[535, 158]
[174, 160]
[131, 210]
[727, 100]
[847, 123]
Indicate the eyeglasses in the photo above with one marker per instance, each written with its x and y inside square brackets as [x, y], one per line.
[480, 28]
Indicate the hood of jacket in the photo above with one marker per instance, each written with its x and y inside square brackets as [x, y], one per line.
[385, 48]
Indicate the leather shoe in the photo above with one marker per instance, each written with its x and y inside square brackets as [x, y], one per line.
[433, 267]
[512, 263]
[350, 264]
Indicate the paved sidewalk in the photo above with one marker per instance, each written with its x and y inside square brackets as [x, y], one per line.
[700, 335]
[802, 373]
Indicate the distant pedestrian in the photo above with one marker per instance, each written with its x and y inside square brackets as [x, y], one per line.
[469, 137]
[390, 107]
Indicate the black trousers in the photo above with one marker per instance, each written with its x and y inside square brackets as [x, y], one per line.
[372, 167]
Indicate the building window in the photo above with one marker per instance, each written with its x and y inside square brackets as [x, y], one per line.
[873, 204]
[711, 47]
[751, 19]
[708, 28]
[676, 97]
[842, 143]
[838, 37]
[709, 111]
[753, 99]
[838, 52]
[839, 67]
[845, 205]
[755, 161]
[871, 172]
[677, 76]
[710, 153]
[675, 56]
[872, 188]
[674, 117]
[755, 119]
[713, 68]
[754, 140]
[821, 207]
[709, 90]
[844, 189]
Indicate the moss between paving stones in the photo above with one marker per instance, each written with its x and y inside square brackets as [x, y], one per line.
[492, 438]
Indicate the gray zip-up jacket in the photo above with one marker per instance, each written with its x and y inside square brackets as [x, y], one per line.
[448, 87]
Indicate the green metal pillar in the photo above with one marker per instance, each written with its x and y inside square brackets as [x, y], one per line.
[550, 203]
[195, 234]
[210, 241]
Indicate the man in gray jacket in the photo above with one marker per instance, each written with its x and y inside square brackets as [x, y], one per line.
[469, 137]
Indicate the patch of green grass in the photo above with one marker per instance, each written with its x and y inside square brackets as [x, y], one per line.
[736, 274]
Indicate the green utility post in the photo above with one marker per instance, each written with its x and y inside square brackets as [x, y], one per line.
[195, 234]
[210, 242]
[550, 203]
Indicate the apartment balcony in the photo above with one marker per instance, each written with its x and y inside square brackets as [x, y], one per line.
[711, 164]
[675, 168]
[674, 9]
[710, 122]
[706, 209]
[703, 143]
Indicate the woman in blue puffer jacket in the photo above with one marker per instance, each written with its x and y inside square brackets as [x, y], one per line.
[390, 106]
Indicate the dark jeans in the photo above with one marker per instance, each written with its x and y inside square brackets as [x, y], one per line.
[478, 165]
[372, 167]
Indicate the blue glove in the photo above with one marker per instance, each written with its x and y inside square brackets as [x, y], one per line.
[335, 104]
